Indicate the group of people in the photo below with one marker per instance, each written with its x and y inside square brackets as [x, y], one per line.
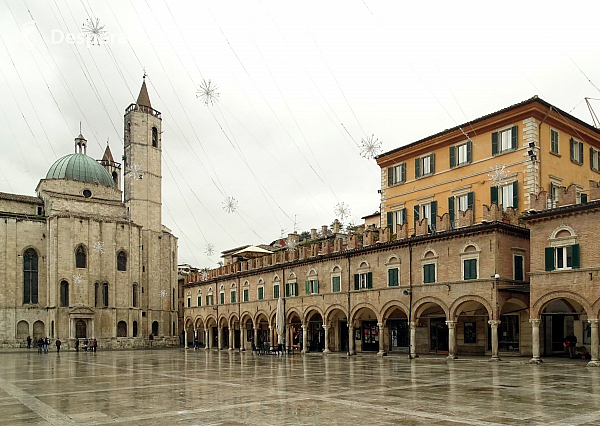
[43, 344]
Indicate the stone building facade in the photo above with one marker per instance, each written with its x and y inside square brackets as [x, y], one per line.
[84, 260]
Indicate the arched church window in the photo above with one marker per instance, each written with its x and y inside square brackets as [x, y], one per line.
[64, 294]
[115, 177]
[121, 261]
[30, 276]
[155, 328]
[80, 257]
[105, 294]
[155, 137]
[121, 329]
[96, 296]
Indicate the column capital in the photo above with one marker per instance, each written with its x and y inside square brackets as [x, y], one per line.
[494, 323]
[535, 321]
[413, 324]
[304, 326]
[593, 321]
[451, 324]
[326, 326]
[381, 324]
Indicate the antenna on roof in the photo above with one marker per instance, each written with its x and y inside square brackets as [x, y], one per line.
[593, 114]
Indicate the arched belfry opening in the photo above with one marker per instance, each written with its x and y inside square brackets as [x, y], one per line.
[80, 145]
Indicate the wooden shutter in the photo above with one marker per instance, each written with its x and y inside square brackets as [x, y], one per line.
[452, 156]
[369, 279]
[451, 211]
[403, 216]
[514, 133]
[417, 168]
[356, 281]
[403, 172]
[575, 256]
[433, 215]
[516, 194]
[471, 203]
[317, 286]
[494, 195]
[572, 142]
[425, 274]
[583, 198]
[469, 151]
[549, 257]
[307, 284]
[287, 289]
[390, 221]
[580, 153]
[518, 268]
[432, 162]
[390, 176]
[416, 213]
[393, 277]
[494, 143]
[592, 158]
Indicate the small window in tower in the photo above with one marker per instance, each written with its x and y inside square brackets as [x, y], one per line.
[115, 177]
[155, 137]
[87, 193]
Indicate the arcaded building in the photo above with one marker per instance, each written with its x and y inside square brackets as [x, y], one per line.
[83, 259]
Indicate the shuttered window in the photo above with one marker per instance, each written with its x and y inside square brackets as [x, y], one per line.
[425, 165]
[397, 174]
[576, 151]
[518, 262]
[336, 284]
[505, 140]
[470, 269]
[554, 141]
[393, 277]
[461, 154]
[429, 273]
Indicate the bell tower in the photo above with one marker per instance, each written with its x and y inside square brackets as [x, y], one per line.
[142, 181]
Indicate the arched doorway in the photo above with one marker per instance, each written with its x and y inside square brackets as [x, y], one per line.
[366, 330]
[471, 328]
[513, 312]
[398, 330]
[561, 318]
[38, 329]
[295, 332]
[155, 328]
[247, 332]
[80, 329]
[338, 333]
[431, 319]
[22, 329]
[121, 329]
[315, 333]
[189, 334]
[262, 332]
[135, 329]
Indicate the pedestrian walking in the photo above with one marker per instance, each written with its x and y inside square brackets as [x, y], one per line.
[195, 342]
[570, 343]
[46, 344]
[40, 345]
[86, 342]
[151, 339]
[76, 345]
[28, 342]
[58, 343]
[94, 345]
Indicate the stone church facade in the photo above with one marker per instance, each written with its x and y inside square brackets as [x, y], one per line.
[83, 259]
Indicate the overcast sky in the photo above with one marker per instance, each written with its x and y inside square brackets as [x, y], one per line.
[300, 85]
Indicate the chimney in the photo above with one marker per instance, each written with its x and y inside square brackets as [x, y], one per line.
[313, 234]
[336, 226]
[324, 231]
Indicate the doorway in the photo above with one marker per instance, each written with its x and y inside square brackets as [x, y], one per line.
[438, 335]
[80, 329]
[399, 335]
[370, 336]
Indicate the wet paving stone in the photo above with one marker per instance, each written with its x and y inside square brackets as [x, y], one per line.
[177, 387]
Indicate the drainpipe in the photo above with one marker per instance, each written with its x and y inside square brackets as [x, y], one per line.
[540, 153]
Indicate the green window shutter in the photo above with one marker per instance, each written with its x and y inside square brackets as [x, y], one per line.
[207, 300]
[494, 143]
[416, 213]
[390, 176]
[583, 198]
[317, 286]
[404, 216]
[417, 168]
[494, 195]
[516, 194]
[356, 281]
[471, 200]
[307, 285]
[580, 153]
[189, 302]
[591, 158]
[246, 298]
[403, 172]
[222, 298]
[575, 256]
[469, 151]
[390, 278]
[519, 268]
[425, 274]
[451, 211]
[432, 162]
[514, 137]
[390, 221]
[233, 297]
[295, 288]
[369, 279]
[276, 292]
[287, 289]
[199, 301]
[549, 256]
[572, 142]
[336, 284]
[433, 212]
[452, 156]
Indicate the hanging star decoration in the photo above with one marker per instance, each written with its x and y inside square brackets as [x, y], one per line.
[204, 275]
[370, 147]
[498, 174]
[163, 293]
[210, 249]
[290, 244]
[135, 172]
[77, 278]
[230, 205]
[342, 210]
[99, 247]
[94, 32]
[207, 92]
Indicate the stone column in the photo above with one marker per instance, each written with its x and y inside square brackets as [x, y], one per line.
[256, 337]
[288, 336]
[270, 337]
[208, 337]
[185, 337]
[242, 338]
[351, 350]
[382, 329]
[535, 340]
[304, 339]
[451, 339]
[494, 324]
[231, 338]
[413, 340]
[594, 362]
[326, 328]
[220, 338]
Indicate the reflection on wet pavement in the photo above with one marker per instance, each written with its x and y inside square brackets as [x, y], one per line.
[231, 388]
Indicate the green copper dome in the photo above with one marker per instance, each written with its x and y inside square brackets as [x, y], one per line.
[80, 167]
